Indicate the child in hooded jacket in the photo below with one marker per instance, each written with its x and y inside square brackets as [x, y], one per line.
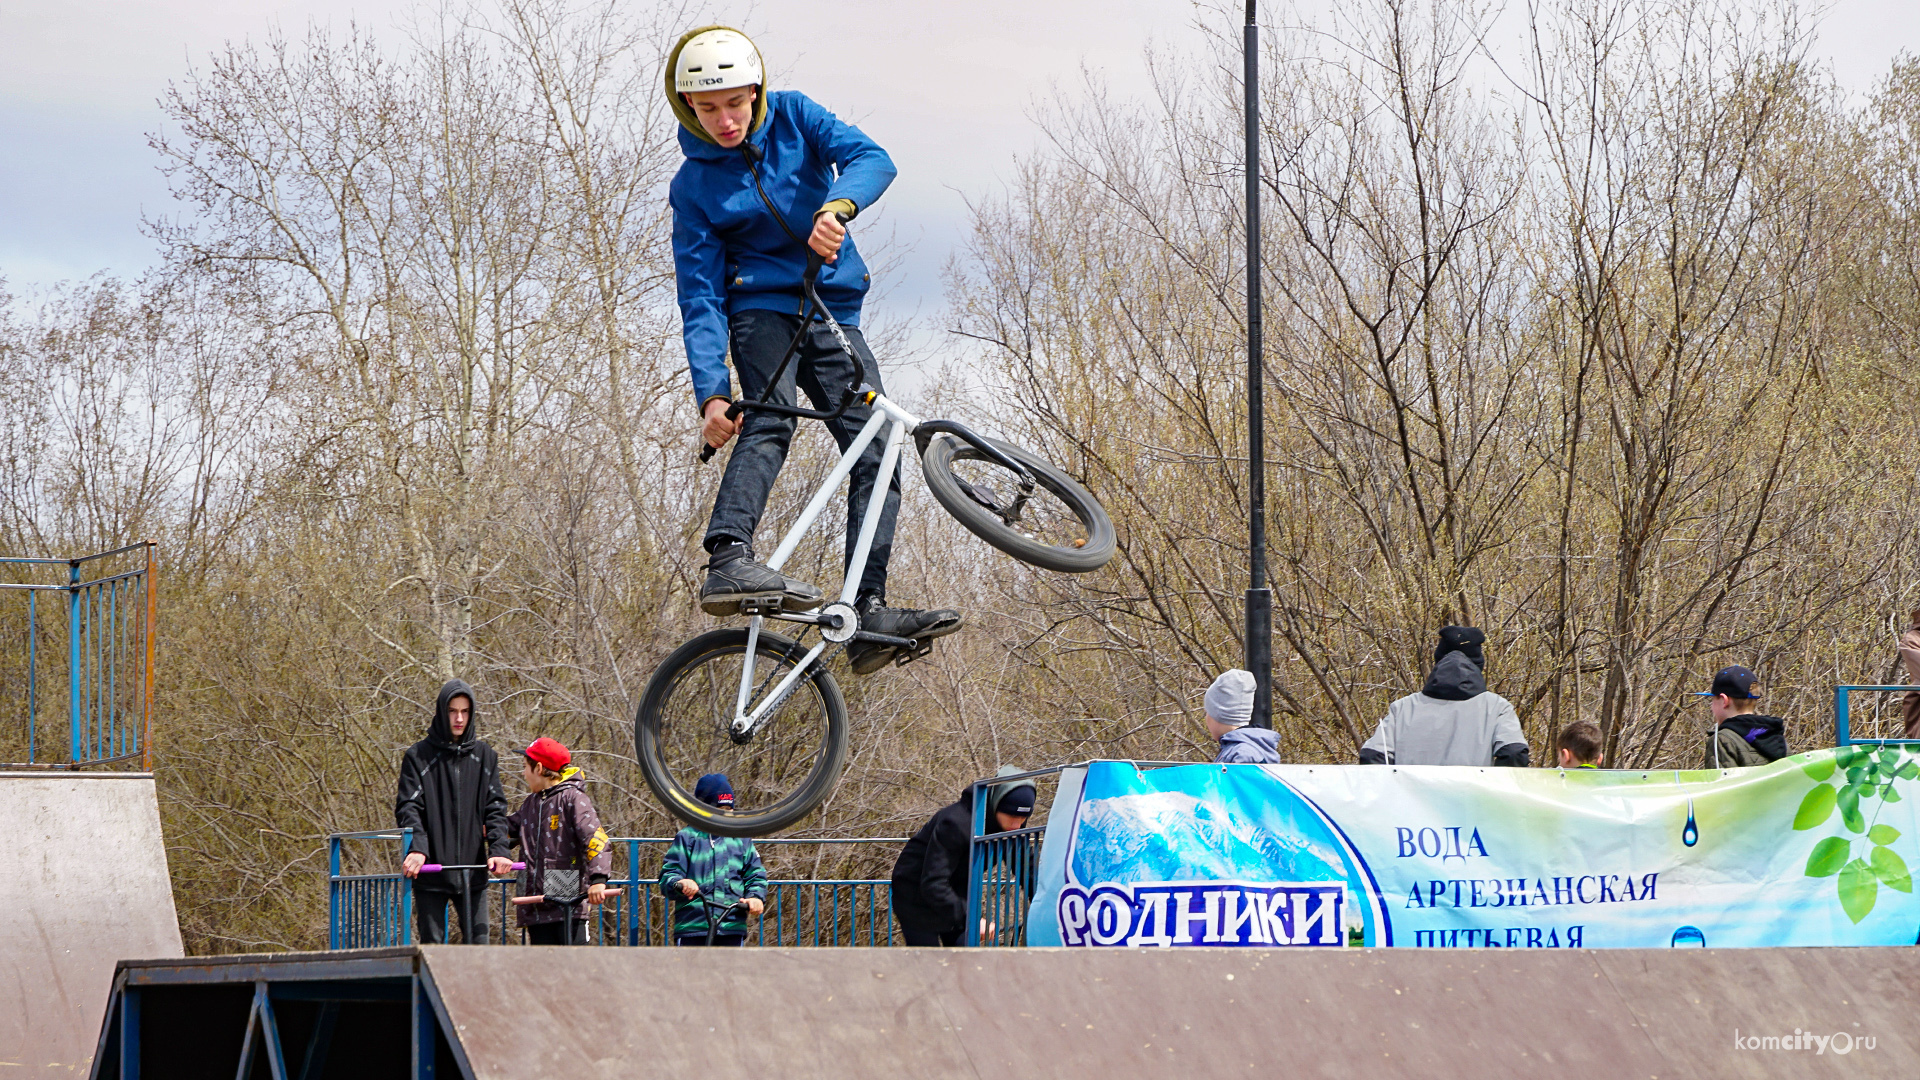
[557, 828]
[700, 868]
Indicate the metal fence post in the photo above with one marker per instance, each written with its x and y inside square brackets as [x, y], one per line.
[1841, 733]
[73, 659]
[33, 667]
[976, 862]
[406, 892]
[333, 892]
[147, 584]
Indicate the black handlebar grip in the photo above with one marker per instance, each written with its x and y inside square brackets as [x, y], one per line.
[814, 260]
[706, 452]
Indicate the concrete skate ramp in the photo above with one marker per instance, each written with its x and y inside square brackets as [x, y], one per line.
[892, 1013]
[83, 884]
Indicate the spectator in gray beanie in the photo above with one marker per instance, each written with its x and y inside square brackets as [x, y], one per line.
[1229, 710]
[1453, 720]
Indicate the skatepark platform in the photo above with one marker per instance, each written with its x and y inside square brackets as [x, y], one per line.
[85, 886]
[486, 1013]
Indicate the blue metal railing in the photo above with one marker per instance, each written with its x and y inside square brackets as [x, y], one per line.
[373, 909]
[367, 911]
[109, 651]
[1843, 718]
[1003, 865]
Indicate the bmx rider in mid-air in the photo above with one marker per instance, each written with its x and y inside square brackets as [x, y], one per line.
[757, 190]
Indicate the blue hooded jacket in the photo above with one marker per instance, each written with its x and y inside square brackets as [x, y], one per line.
[730, 253]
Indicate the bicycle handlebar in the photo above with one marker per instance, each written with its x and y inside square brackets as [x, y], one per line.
[434, 867]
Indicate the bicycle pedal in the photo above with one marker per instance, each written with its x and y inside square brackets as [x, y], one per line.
[761, 605]
[903, 657]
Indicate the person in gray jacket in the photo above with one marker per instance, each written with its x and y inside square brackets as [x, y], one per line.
[1453, 720]
[1229, 711]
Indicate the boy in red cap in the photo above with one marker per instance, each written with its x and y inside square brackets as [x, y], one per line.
[557, 828]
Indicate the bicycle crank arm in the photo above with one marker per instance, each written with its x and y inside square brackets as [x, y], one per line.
[885, 639]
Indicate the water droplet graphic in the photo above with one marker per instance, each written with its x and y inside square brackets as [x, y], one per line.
[1690, 836]
[1689, 937]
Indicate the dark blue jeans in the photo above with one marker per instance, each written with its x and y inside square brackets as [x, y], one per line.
[824, 371]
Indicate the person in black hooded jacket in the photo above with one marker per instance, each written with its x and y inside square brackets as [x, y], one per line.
[931, 876]
[450, 797]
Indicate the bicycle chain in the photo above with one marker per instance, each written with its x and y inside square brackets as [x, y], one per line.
[832, 651]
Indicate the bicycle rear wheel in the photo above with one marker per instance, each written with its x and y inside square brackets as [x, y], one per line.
[684, 730]
[1061, 526]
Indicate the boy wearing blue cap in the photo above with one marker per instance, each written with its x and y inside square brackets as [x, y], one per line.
[701, 869]
[1742, 738]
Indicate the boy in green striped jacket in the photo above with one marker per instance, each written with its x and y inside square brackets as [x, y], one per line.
[701, 868]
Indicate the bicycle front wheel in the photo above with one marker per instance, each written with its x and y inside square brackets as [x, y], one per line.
[780, 773]
[1060, 526]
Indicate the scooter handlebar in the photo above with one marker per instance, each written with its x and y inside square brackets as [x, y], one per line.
[434, 867]
[541, 899]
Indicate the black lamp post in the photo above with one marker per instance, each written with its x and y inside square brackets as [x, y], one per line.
[1259, 635]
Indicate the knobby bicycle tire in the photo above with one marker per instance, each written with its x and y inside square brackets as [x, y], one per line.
[675, 793]
[937, 465]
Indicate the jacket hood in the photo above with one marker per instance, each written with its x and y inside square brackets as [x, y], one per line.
[441, 731]
[1767, 734]
[570, 777]
[1455, 678]
[684, 112]
[1264, 738]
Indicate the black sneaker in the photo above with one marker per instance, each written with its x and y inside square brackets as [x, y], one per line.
[736, 583]
[920, 625]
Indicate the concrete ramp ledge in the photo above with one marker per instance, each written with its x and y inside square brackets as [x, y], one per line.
[487, 1013]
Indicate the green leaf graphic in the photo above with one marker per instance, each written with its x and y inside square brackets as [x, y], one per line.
[1828, 856]
[1891, 794]
[1858, 889]
[1889, 756]
[1816, 807]
[1818, 768]
[1849, 803]
[1908, 771]
[1891, 869]
[1849, 756]
[1883, 834]
[1856, 775]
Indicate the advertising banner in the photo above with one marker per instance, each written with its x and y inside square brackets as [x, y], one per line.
[1811, 850]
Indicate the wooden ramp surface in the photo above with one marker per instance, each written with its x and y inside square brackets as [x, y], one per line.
[84, 885]
[892, 1013]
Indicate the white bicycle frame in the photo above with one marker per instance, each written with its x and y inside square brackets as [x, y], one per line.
[899, 424]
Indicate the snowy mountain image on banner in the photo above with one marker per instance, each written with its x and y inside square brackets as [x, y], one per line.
[1175, 836]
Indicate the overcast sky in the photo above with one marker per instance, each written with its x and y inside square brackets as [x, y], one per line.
[946, 87]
